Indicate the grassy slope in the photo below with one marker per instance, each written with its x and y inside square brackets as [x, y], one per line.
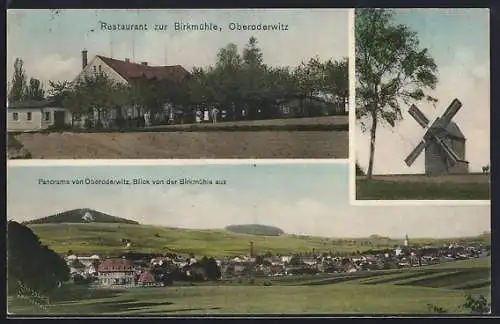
[352, 293]
[106, 238]
[395, 190]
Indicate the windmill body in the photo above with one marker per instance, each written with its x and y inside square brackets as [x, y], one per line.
[437, 163]
[443, 143]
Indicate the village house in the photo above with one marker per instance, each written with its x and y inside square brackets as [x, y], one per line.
[35, 115]
[146, 278]
[114, 272]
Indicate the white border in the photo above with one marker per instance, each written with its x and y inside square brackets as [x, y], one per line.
[352, 109]
[352, 145]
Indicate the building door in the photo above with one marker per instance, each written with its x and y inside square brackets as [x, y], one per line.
[59, 118]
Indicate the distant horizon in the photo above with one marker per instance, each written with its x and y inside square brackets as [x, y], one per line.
[246, 224]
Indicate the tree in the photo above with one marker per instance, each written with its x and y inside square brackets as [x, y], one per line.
[18, 85]
[94, 93]
[30, 264]
[252, 54]
[337, 79]
[390, 69]
[34, 91]
[227, 74]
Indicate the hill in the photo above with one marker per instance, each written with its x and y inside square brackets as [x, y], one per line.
[82, 215]
[255, 229]
[107, 238]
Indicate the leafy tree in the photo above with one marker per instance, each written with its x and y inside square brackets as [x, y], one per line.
[34, 91]
[92, 93]
[252, 54]
[212, 269]
[19, 82]
[337, 79]
[29, 264]
[390, 69]
[253, 80]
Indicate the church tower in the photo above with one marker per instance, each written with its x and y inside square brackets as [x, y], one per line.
[252, 251]
[407, 242]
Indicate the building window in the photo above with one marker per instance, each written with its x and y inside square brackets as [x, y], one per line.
[28, 116]
[15, 116]
[100, 68]
[47, 115]
[94, 68]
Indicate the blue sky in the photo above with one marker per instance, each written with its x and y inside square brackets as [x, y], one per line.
[458, 39]
[305, 198]
[51, 46]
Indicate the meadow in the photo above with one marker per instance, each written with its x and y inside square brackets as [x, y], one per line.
[106, 238]
[424, 190]
[402, 291]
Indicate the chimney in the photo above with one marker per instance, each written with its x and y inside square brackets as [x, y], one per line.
[144, 63]
[84, 59]
[127, 60]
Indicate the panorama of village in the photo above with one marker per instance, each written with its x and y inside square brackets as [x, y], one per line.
[435, 276]
[139, 269]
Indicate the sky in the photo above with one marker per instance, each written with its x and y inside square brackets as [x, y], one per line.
[51, 45]
[458, 39]
[300, 198]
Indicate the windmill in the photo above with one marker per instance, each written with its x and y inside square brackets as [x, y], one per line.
[443, 142]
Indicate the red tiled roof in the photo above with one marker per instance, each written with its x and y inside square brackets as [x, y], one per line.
[129, 70]
[146, 277]
[111, 265]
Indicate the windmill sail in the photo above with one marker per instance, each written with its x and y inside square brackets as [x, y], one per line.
[415, 153]
[450, 112]
[418, 116]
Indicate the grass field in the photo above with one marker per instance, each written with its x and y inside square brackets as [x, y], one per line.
[403, 291]
[457, 187]
[106, 238]
[321, 137]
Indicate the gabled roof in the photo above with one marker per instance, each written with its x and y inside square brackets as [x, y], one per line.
[111, 265]
[454, 131]
[146, 277]
[33, 104]
[130, 71]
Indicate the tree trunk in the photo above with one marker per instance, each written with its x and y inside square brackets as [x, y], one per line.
[373, 134]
